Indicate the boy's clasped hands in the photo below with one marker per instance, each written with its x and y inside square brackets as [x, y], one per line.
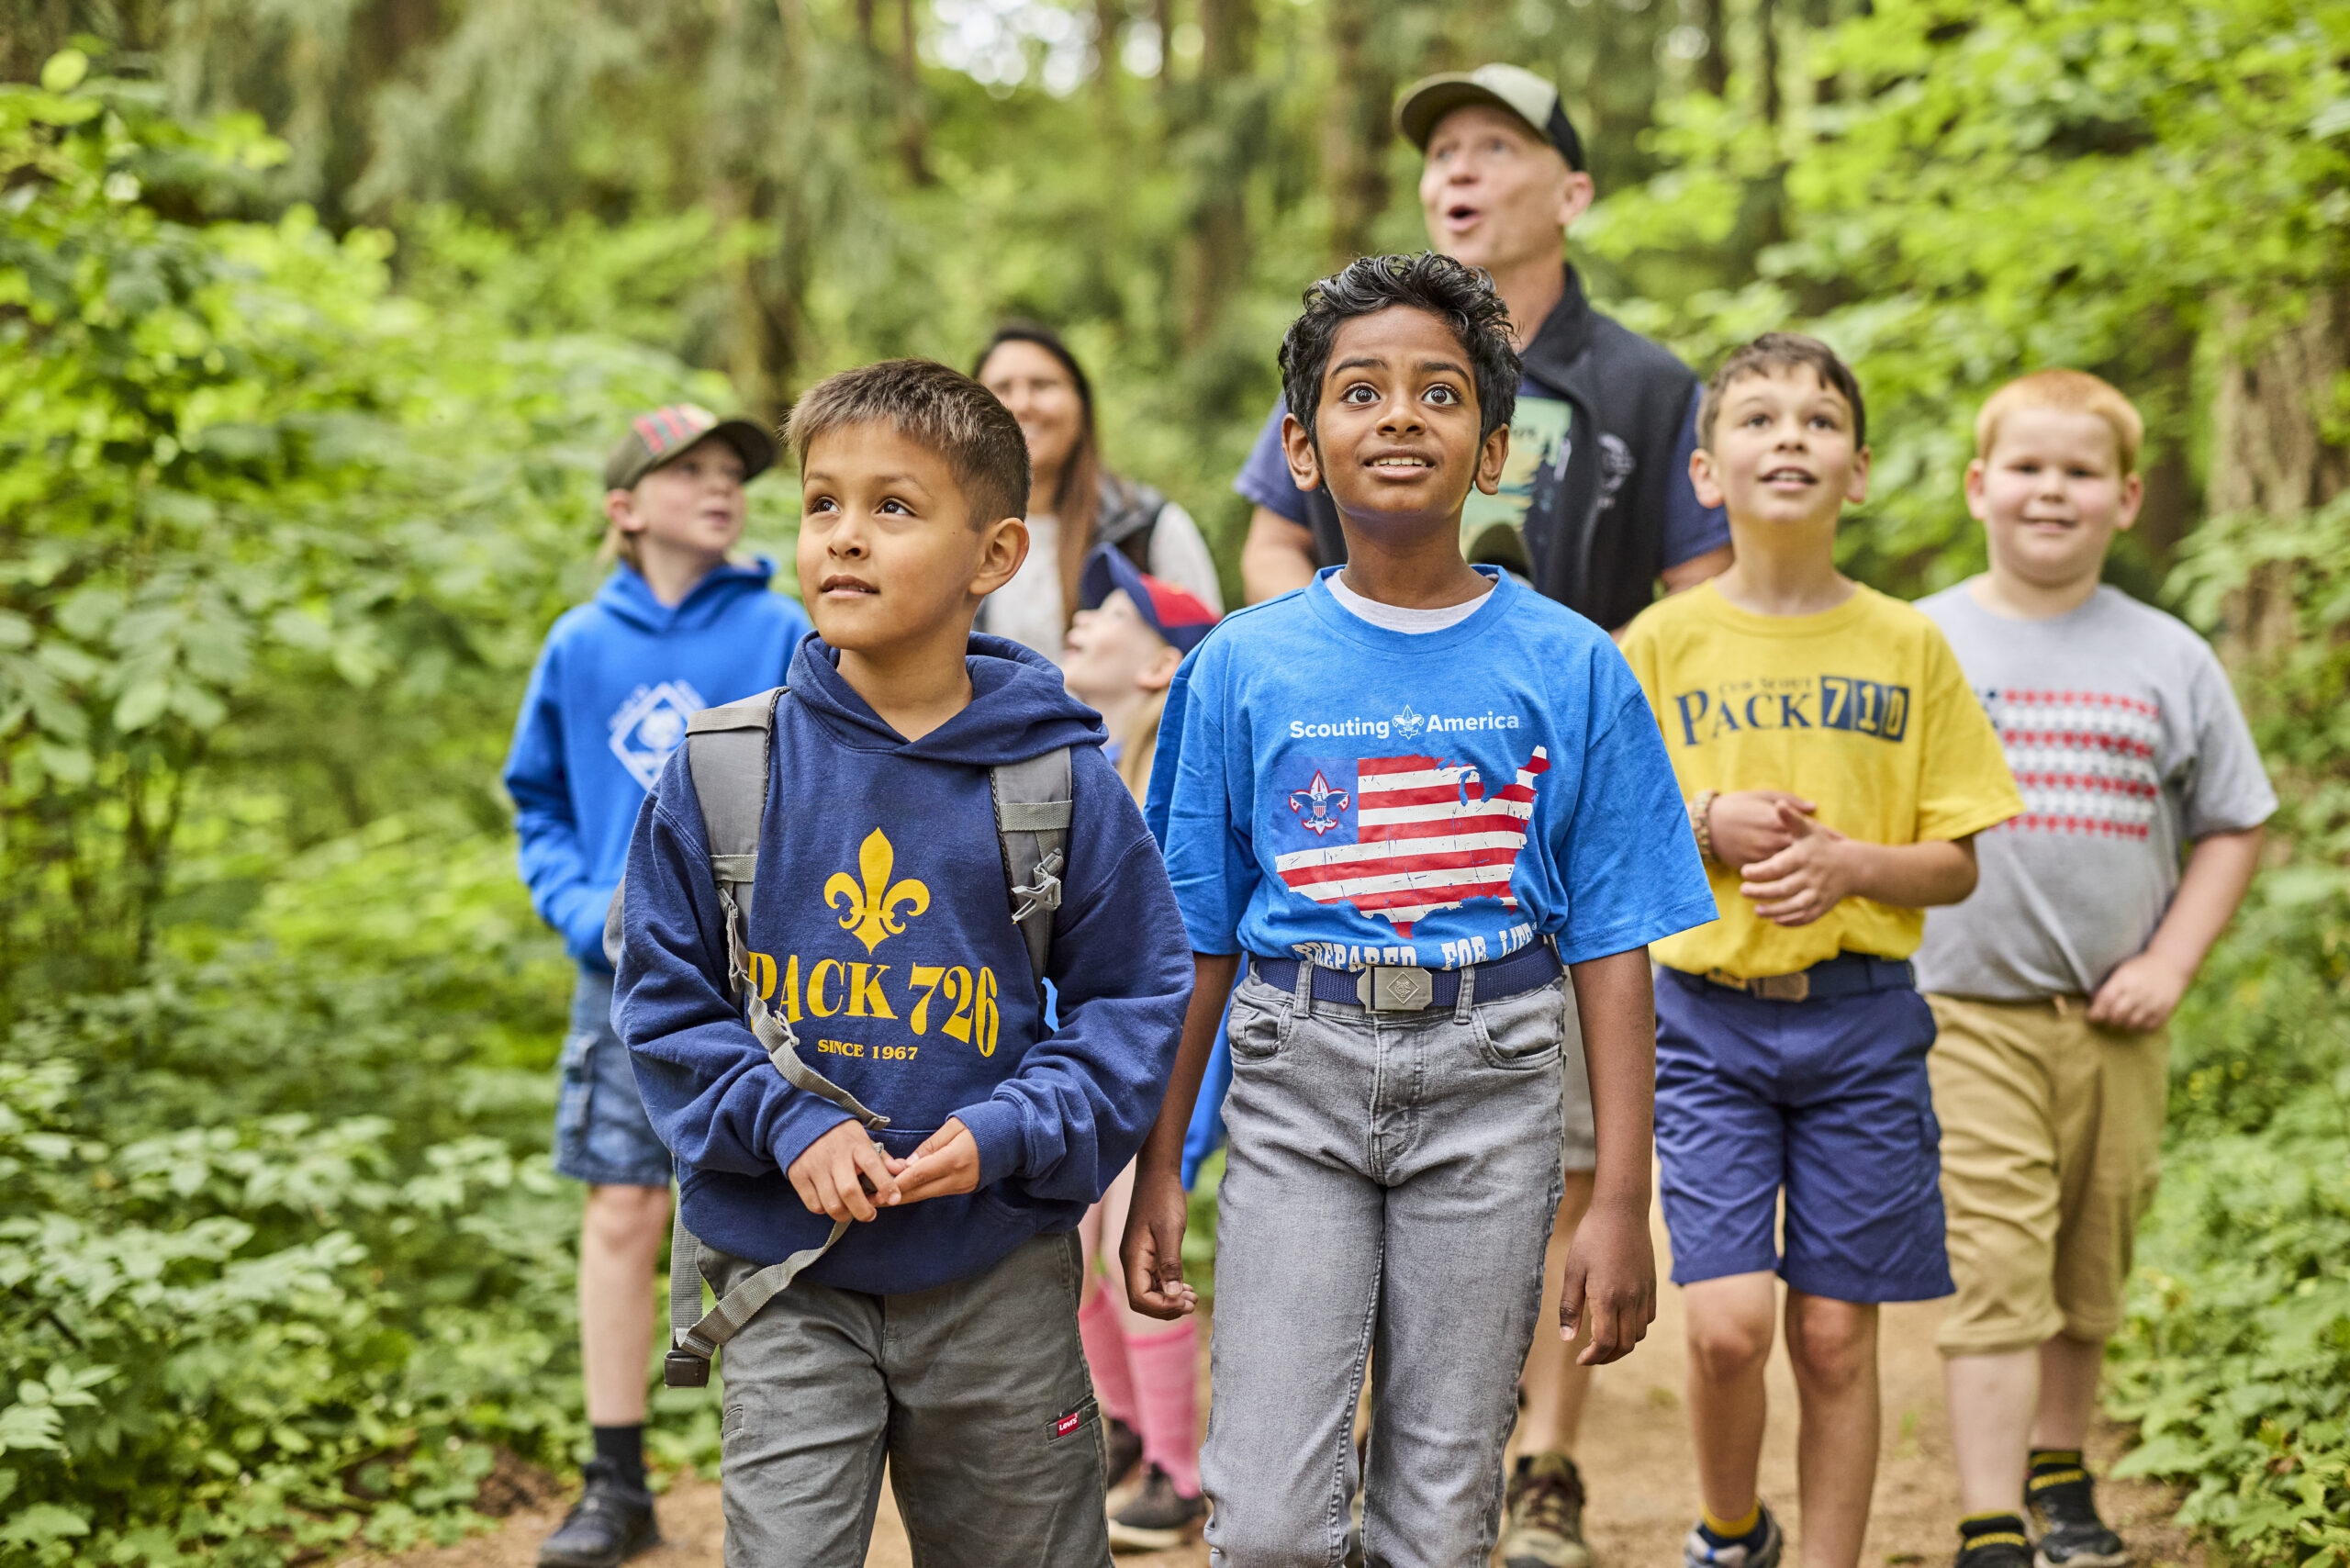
[1792, 863]
[1796, 868]
[845, 1175]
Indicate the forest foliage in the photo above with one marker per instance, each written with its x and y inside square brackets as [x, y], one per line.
[314, 322]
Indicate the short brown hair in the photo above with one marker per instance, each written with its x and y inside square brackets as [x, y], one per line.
[2073, 392]
[934, 407]
[1783, 350]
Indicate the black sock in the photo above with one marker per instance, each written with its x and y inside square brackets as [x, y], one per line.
[623, 1448]
[2054, 1466]
[1975, 1529]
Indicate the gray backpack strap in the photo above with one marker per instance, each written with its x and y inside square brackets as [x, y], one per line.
[727, 754]
[1032, 818]
[694, 1335]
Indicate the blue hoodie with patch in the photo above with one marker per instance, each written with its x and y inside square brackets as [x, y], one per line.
[881, 927]
[607, 705]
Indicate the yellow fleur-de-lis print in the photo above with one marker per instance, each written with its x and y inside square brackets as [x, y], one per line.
[869, 911]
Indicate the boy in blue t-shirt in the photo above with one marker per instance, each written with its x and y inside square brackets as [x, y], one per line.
[675, 627]
[1410, 794]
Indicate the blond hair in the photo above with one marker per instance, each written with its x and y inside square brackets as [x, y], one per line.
[2068, 391]
[1138, 744]
[620, 545]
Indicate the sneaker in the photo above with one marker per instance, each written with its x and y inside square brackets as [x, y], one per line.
[1543, 1525]
[2064, 1504]
[1758, 1550]
[1158, 1517]
[1121, 1447]
[611, 1522]
[1994, 1546]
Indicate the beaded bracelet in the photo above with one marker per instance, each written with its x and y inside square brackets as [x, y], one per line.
[1699, 809]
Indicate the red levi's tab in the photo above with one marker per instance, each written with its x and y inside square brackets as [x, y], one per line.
[1064, 1425]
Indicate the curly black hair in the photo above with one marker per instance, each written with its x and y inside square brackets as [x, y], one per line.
[1463, 297]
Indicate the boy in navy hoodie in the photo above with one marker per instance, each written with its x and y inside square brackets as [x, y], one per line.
[674, 628]
[926, 1182]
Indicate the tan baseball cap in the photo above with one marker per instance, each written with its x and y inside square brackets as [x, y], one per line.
[1510, 87]
[662, 435]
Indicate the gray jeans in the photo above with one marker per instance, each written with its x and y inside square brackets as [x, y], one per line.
[976, 1393]
[1388, 1190]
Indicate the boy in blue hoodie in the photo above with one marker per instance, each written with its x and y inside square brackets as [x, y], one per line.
[1409, 796]
[881, 1143]
[674, 628]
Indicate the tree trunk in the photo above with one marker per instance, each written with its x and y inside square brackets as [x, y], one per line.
[913, 128]
[1713, 66]
[2270, 453]
[1218, 241]
[1355, 132]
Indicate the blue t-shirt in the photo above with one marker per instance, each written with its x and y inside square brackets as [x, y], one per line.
[1537, 435]
[1329, 789]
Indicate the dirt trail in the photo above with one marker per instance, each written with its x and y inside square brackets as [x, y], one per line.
[1636, 1459]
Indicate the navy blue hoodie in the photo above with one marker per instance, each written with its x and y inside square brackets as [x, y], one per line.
[607, 704]
[881, 927]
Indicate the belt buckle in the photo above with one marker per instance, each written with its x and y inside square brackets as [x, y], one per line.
[1398, 988]
[1795, 986]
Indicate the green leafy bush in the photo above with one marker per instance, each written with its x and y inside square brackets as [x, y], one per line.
[282, 1264]
[2236, 1360]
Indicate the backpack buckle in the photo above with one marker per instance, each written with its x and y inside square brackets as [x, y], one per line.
[1043, 893]
[683, 1369]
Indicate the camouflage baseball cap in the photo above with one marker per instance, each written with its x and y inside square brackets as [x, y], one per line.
[1510, 87]
[660, 435]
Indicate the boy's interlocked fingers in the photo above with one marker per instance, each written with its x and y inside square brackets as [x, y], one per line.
[844, 1174]
[1805, 879]
[946, 1163]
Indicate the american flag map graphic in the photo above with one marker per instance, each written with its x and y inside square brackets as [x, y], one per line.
[2084, 760]
[1401, 837]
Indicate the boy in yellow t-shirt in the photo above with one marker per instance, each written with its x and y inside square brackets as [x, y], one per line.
[1835, 765]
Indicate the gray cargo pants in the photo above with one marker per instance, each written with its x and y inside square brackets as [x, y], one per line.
[969, 1390]
[1388, 1188]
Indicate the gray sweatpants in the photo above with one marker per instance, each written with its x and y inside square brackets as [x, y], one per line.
[1388, 1187]
[976, 1393]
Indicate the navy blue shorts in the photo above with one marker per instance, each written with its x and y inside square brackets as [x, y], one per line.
[602, 1134]
[1826, 1100]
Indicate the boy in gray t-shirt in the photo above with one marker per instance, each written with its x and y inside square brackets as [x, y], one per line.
[2054, 984]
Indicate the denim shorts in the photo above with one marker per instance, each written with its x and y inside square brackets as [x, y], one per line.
[1826, 1100]
[602, 1134]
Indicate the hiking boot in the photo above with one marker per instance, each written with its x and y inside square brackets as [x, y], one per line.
[611, 1522]
[1543, 1526]
[1122, 1450]
[1158, 1517]
[1758, 1549]
[2063, 1504]
[1996, 1542]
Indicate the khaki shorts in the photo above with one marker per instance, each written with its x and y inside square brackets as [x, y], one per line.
[2052, 1145]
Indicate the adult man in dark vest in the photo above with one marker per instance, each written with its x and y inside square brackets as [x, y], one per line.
[1596, 507]
[1595, 510]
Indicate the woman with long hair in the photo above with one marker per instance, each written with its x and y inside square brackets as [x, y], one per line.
[1074, 502]
[1120, 657]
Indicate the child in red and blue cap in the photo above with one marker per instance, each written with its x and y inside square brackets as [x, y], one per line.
[1128, 638]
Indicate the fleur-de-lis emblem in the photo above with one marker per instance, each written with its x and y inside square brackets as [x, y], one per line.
[1323, 800]
[869, 911]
